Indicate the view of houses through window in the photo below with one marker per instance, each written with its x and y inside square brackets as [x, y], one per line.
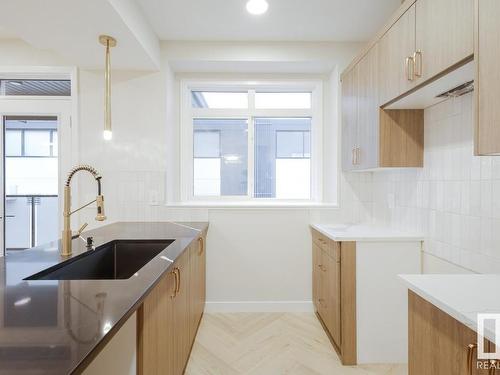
[259, 150]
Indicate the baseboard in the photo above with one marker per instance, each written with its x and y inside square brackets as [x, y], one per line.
[259, 306]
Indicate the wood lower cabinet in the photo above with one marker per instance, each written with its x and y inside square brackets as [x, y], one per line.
[334, 296]
[357, 294]
[439, 344]
[168, 319]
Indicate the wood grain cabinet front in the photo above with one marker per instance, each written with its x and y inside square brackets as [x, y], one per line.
[439, 344]
[329, 289]
[487, 79]
[169, 317]
[444, 35]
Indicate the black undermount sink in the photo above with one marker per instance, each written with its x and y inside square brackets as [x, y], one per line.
[119, 259]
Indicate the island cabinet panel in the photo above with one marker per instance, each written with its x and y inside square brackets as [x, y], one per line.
[168, 319]
[197, 285]
[445, 34]
[156, 329]
[439, 344]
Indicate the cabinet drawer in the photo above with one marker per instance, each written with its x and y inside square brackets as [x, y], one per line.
[320, 240]
[330, 247]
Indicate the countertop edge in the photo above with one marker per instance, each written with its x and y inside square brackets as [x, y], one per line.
[346, 238]
[101, 344]
[446, 308]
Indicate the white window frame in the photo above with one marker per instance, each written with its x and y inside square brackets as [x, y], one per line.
[187, 114]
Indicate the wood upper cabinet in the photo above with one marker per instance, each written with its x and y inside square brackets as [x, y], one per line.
[487, 80]
[368, 110]
[439, 344]
[349, 119]
[373, 137]
[395, 54]
[444, 35]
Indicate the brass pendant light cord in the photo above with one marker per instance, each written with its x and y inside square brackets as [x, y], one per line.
[108, 42]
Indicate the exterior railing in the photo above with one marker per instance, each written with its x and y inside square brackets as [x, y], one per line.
[30, 220]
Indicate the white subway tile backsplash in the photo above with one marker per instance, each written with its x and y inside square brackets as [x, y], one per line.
[454, 199]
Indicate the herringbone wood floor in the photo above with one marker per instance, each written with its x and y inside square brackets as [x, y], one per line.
[270, 344]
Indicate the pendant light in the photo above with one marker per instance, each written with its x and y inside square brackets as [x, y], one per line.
[108, 42]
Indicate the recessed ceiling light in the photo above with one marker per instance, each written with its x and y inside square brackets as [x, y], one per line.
[257, 6]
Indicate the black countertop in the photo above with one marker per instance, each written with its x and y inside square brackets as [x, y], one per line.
[57, 327]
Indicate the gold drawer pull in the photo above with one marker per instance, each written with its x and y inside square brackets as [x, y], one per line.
[471, 348]
[417, 60]
[174, 272]
[202, 245]
[322, 267]
[179, 284]
[410, 68]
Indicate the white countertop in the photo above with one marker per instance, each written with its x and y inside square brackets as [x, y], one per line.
[365, 232]
[461, 296]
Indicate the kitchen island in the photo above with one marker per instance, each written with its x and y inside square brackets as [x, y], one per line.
[60, 326]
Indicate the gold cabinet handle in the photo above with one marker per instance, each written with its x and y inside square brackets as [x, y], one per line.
[417, 60]
[202, 245]
[410, 68]
[321, 300]
[179, 283]
[174, 272]
[353, 152]
[358, 155]
[322, 267]
[471, 348]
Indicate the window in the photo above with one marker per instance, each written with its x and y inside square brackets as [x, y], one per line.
[31, 137]
[244, 142]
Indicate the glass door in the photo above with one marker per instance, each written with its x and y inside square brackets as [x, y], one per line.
[31, 180]
[36, 151]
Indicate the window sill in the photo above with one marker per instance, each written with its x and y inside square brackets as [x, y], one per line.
[252, 205]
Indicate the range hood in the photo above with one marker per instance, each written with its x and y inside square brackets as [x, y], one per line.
[455, 83]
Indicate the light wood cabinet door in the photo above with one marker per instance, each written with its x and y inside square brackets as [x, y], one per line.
[395, 47]
[349, 120]
[156, 329]
[197, 284]
[331, 286]
[181, 314]
[438, 344]
[487, 80]
[444, 36]
[316, 274]
[368, 110]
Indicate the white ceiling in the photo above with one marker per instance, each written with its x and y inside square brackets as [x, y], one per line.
[286, 20]
[71, 29]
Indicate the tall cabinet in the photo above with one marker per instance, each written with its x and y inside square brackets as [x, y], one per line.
[487, 80]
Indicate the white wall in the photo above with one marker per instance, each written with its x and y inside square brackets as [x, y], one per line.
[257, 256]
